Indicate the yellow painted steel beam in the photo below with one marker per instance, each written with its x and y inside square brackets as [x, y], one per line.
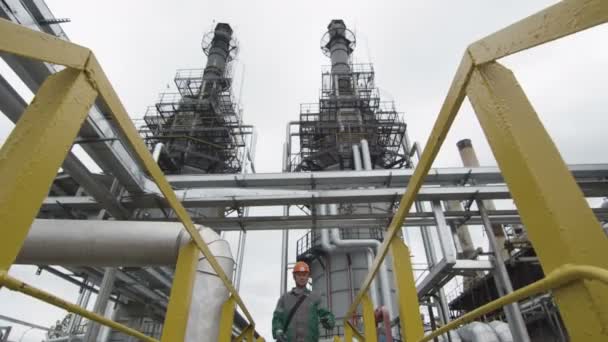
[178, 310]
[558, 220]
[412, 328]
[369, 319]
[251, 334]
[19, 286]
[554, 22]
[560, 277]
[352, 332]
[337, 339]
[22, 41]
[227, 320]
[124, 123]
[34, 151]
[448, 112]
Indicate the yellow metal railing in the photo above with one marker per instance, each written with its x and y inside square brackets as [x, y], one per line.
[36, 148]
[559, 222]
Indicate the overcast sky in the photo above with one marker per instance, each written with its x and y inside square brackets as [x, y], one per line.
[415, 47]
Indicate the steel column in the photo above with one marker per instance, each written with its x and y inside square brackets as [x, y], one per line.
[105, 290]
[559, 222]
[176, 319]
[503, 282]
[409, 308]
[34, 151]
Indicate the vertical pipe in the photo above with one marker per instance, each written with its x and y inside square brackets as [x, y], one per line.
[158, 148]
[285, 232]
[357, 158]
[469, 159]
[103, 297]
[240, 257]
[503, 283]
[367, 159]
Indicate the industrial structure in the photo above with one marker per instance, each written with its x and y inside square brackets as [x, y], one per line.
[148, 233]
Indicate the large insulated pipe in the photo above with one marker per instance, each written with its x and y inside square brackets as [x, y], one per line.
[478, 332]
[98, 243]
[209, 292]
[469, 159]
[385, 285]
[128, 243]
[339, 46]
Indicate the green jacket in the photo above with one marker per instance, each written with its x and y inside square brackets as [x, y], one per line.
[304, 325]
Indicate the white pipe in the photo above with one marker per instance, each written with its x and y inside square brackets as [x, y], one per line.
[365, 243]
[477, 332]
[101, 243]
[367, 159]
[128, 243]
[373, 287]
[209, 292]
[356, 158]
[158, 148]
[502, 330]
[326, 244]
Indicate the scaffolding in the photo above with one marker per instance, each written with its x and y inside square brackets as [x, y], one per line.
[200, 126]
[349, 109]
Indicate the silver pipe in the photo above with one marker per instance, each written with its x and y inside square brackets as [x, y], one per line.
[365, 243]
[102, 243]
[284, 233]
[104, 334]
[477, 332]
[103, 297]
[357, 158]
[373, 287]
[503, 282]
[209, 292]
[158, 148]
[502, 331]
[367, 158]
[241, 257]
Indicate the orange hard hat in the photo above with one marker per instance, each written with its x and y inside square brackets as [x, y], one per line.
[301, 266]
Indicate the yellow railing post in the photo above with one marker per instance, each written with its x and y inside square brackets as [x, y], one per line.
[34, 151]
[558, 220]
[369, 319]
[251, 334]
[409, 312]
[348, 332]
[176, 318]
[227, 320]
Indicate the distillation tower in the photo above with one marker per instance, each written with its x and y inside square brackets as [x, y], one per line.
[350, 128]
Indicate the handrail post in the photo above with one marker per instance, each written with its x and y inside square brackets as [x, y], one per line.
[558, 220]
[409, 313]
[176, 319]
[226, 320]
[34, 151]
[348, 332]
[369, 321]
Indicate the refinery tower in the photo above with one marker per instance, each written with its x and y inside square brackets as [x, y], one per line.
[350, 128]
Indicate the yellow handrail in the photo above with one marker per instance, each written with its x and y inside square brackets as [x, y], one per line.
[19, 286]
[558, 278]
[562, 19]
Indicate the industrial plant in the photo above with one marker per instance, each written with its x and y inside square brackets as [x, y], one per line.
[155, 241]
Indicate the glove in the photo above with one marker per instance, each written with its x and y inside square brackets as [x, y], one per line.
[281, 337]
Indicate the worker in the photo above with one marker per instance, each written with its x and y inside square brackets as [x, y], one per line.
[299, 312]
